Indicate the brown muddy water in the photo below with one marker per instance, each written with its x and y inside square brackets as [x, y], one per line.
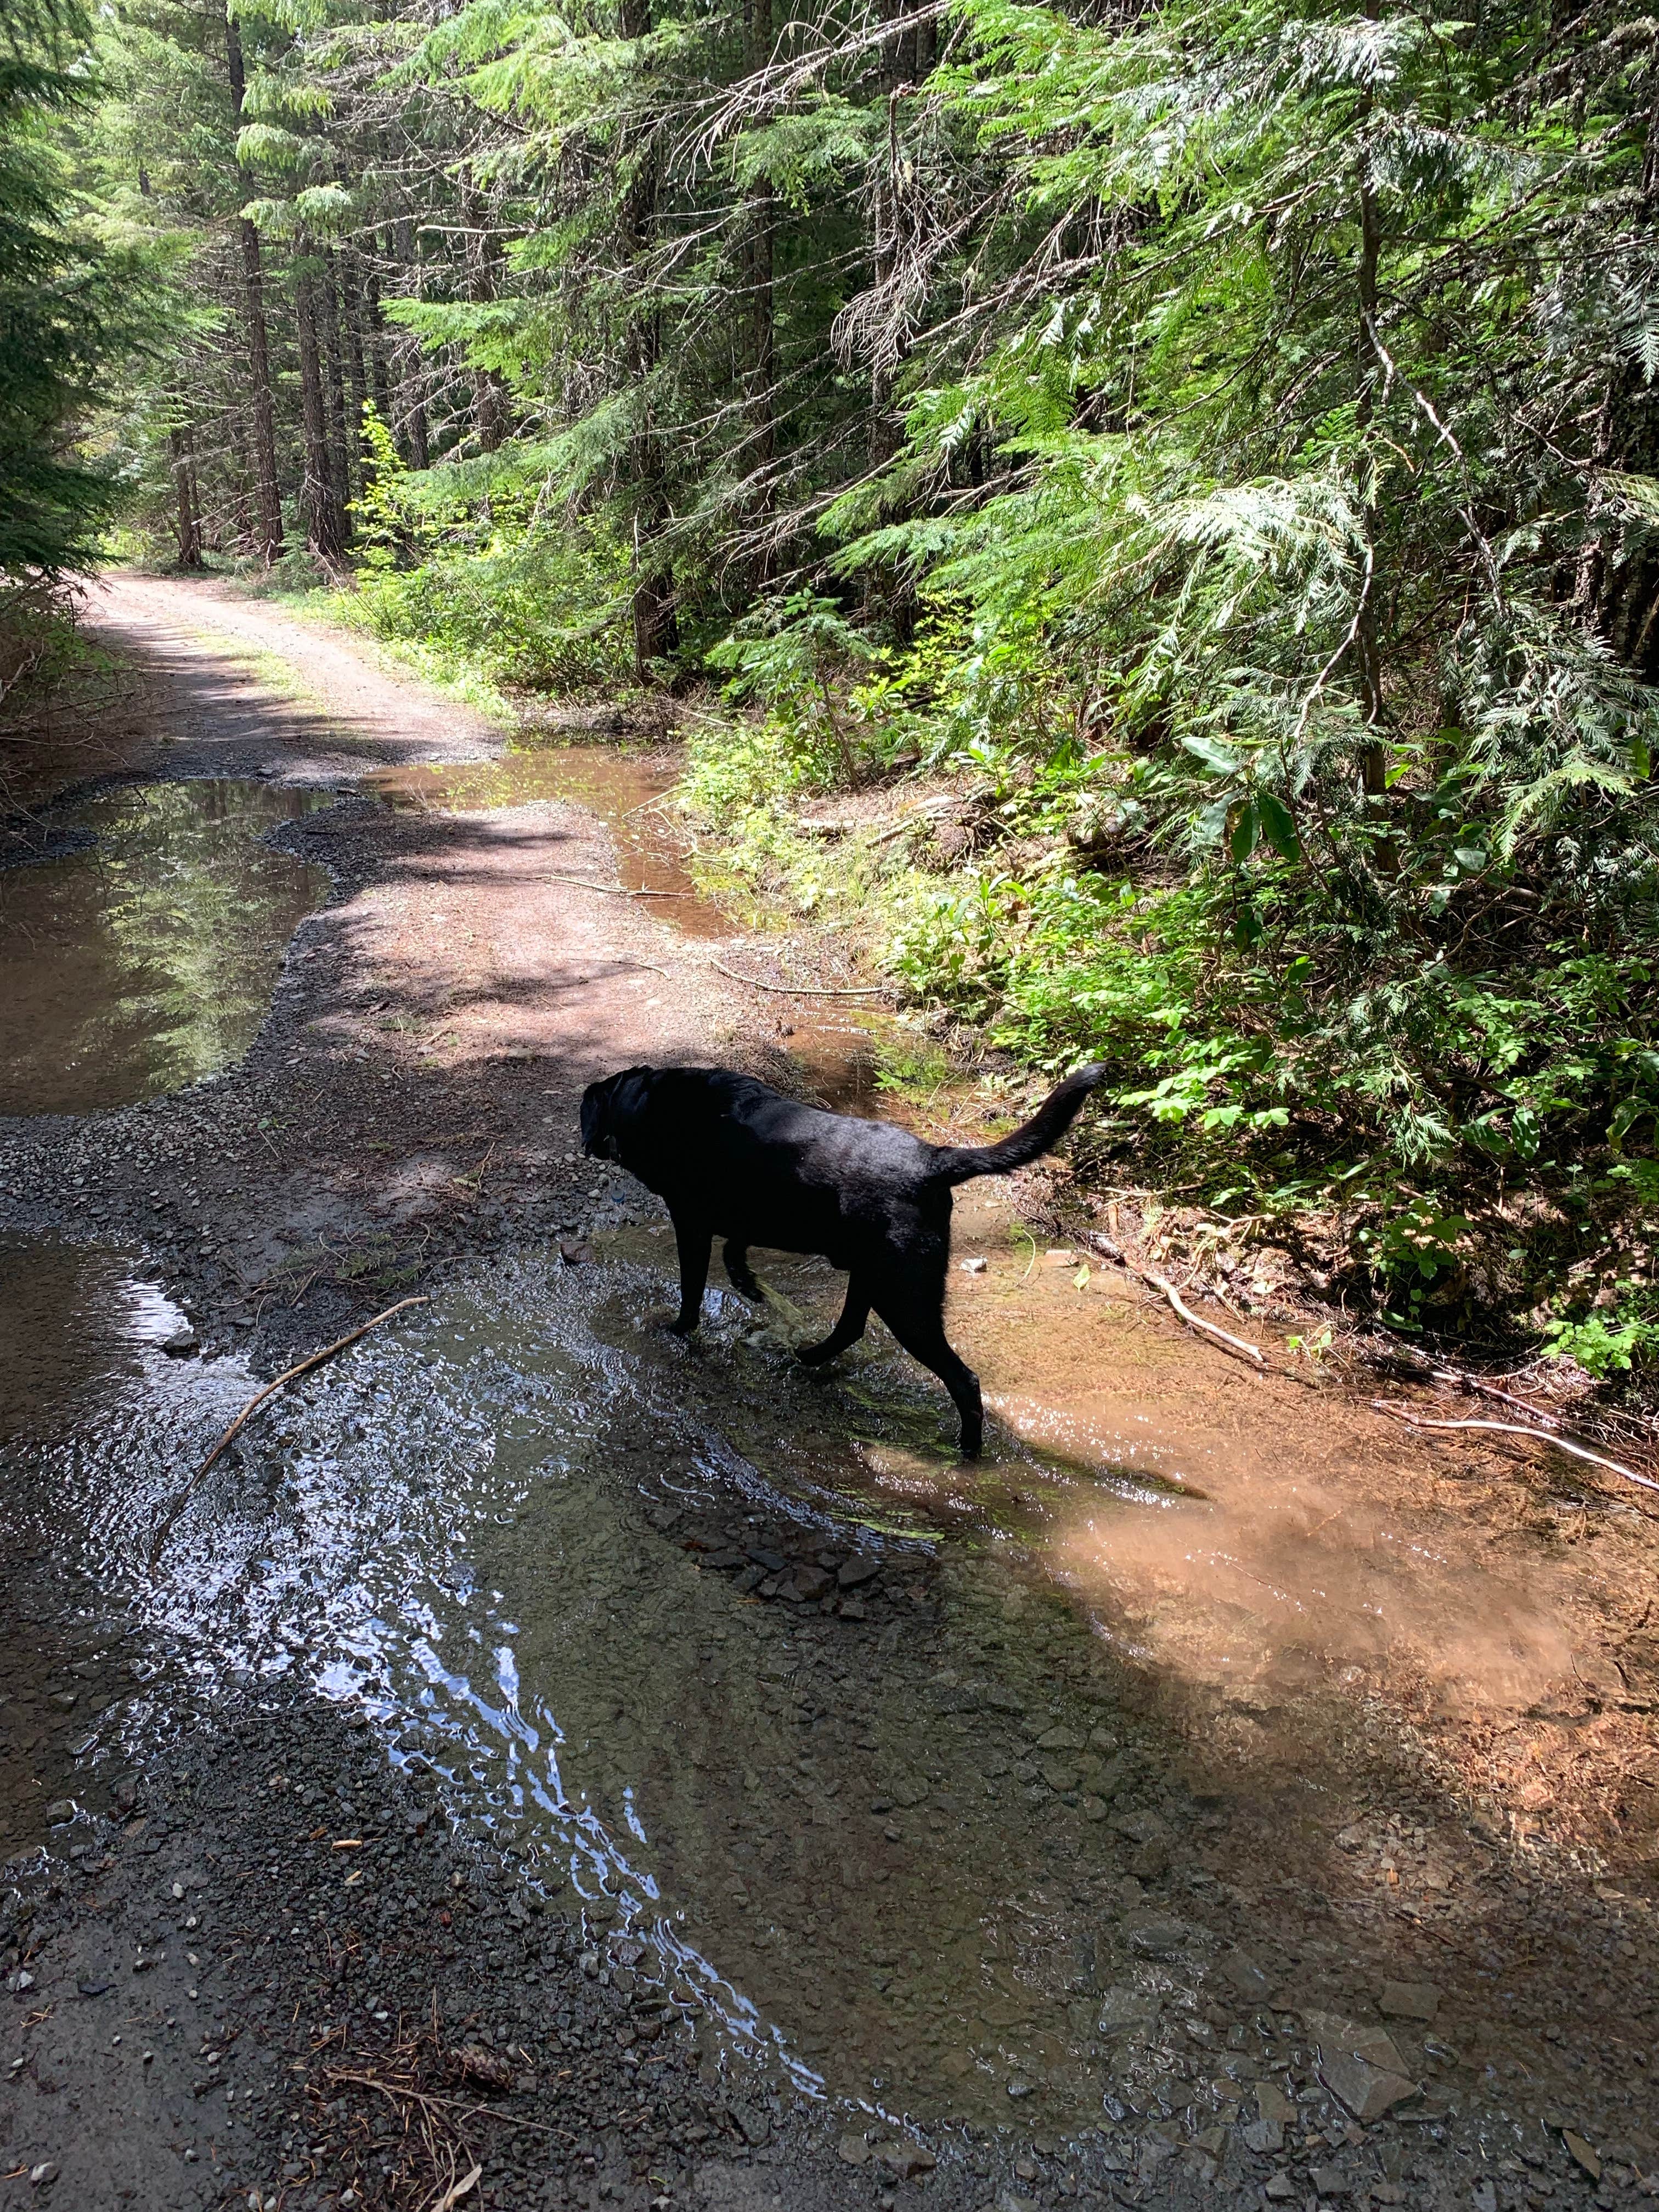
[143, 955]
[921, 1840]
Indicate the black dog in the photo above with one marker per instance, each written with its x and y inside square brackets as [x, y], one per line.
[736, 1159]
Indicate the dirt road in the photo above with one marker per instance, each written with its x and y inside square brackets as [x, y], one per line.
[650, 1775]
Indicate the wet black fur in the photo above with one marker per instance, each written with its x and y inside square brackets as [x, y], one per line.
[736, 1159]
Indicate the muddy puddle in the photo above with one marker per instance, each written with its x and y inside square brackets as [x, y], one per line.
[629, 791]
[858, 1761]
[140, 953]
[836, 1053]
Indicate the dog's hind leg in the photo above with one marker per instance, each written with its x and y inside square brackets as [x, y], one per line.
[739, 1273]
[923, 1335]
[854, 1314]
[694, 1240]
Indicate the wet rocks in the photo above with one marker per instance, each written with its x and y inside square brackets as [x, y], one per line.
[906, 2158]
[1161, 1937]
[1409, 2001]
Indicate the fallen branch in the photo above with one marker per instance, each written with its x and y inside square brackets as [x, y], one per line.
[1466, 1381]
[1167, 1289]
[301, 1367]
[1211, 1328]
[1515, 1429]
[615, 890]
[801, 990]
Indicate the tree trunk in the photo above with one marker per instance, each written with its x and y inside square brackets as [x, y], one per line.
[1368, 665]
[760, 215]
[339, 444]
[184, 484]
[351, 293]
[374, 339]
[410, 425]
[322, 519]
[491, 415]
[259, 345]
[656, 625]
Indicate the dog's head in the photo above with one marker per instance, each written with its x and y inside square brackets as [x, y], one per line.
[604, 1105]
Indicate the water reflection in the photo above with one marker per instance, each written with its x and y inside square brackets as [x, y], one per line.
[833, 1740]
[145, 959]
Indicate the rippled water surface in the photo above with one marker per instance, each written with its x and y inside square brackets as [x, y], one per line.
[880, 1832]
[143, 956]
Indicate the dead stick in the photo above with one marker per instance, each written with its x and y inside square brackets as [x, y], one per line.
[616, 891]
[800, 990]
[1162, 1284]
[1515, 1429]
[1466, 1381]
[254, 1403]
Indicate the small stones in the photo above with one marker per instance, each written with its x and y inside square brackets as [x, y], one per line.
[1273, 2104]
[1059, 1738]
[853, 2150]
[1019, 2086]
[1330, 2181]
[1281, 2189]
[61, 1812]
[1143, 1827]
[855, 1573]
[1264, 2136]
[1246, 1976]
[1368, 2091]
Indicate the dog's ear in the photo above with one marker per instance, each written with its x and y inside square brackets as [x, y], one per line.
[599, 1103]
[596, 1112]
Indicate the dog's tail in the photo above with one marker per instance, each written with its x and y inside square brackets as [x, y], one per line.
[961, 1162]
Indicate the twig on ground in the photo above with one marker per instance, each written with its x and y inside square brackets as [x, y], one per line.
[289, 1375]
[1211, 1328]
[1167, 1289]
[802, 990]
[1514, 1429]
[616, 891]
[424, 2097]
[1466, 1381]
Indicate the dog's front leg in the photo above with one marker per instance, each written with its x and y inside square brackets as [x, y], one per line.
[694, 1240]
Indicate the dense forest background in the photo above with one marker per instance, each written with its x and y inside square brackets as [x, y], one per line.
[1212, 449]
